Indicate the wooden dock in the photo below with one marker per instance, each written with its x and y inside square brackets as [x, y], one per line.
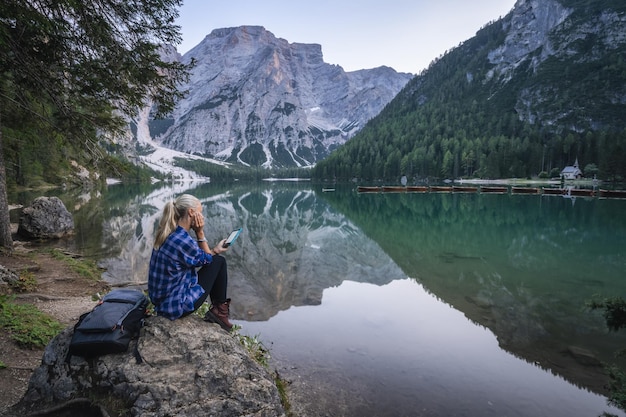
[565, 192]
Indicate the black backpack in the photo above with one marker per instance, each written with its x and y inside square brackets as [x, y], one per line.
[111, 325]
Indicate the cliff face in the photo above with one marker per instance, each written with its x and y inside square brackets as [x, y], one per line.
[528, 29]
[259, 100]
[560, 53]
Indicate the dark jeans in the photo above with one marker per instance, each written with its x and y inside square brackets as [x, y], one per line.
[214, 279]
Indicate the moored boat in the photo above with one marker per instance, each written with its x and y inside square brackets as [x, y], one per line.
[524, 190]
[495, 190]
[393, 189]
[362, 189]
[416, 189]
[440, 189]
[613, 193]
[580, 192]
[553, 191]
[459, 189]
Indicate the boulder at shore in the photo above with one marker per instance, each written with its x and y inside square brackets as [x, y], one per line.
[45, 218]
[190, 368]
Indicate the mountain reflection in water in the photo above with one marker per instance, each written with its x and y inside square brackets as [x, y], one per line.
[492, 308]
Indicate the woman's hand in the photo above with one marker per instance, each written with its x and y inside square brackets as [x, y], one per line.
[197, 222]
[219, 248]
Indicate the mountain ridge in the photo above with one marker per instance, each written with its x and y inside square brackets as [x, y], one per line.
[258, 100]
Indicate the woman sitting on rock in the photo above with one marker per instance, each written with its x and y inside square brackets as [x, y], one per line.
[175, 286]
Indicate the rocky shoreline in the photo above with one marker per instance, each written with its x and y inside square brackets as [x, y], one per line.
[220, 373]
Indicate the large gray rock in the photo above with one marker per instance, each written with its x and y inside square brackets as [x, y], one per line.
[45, 218]
[190, 368]
[7, 277]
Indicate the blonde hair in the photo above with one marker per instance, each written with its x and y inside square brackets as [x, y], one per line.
[172, 213]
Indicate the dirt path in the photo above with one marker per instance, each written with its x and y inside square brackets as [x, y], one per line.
[60, 292]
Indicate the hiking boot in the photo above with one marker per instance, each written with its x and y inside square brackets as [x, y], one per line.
[218, 313]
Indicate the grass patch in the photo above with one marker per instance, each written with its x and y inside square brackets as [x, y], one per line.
[25, 283]
[27, 326]
[281, 384]
[84, 267]
[201, 312]
[254, 346]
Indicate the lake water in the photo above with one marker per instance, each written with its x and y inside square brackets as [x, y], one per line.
[400, 304]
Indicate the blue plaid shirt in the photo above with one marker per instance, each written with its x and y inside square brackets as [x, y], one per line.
[172, 278]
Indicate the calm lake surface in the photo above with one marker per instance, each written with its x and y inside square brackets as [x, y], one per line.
[400, 304]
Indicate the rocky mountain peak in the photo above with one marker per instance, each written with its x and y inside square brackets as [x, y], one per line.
[256, 99]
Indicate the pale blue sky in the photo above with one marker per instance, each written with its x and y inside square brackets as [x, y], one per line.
[403, 34]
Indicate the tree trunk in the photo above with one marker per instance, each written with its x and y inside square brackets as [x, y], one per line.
[6, 241]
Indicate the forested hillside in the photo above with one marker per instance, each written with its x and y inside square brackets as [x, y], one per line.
[470, 116]
[69, 72]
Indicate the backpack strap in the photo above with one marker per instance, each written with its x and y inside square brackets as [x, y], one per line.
[136, 354]
[68, 357]
[119, 323]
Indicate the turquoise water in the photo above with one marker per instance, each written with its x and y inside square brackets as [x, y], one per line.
[534, 260]
[401, 304]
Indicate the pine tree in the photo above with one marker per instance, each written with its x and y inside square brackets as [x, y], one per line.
[77, 67]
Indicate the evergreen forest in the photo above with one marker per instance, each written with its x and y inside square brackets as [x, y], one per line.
[460, 119]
